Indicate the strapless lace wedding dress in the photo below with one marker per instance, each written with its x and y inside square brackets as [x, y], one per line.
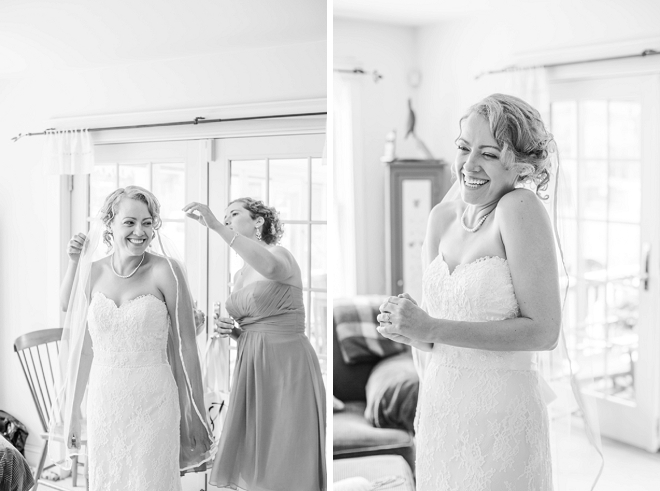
[132, 406]
[482, 420]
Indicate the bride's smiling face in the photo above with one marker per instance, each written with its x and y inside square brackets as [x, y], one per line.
[132, 227]
[479, 168]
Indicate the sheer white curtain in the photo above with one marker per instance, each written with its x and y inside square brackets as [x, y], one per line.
[531, 85]
[68, 152]
[344, 251]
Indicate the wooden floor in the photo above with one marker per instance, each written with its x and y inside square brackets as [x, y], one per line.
[626, 469]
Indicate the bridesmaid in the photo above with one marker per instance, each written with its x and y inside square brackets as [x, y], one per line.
[274, 436]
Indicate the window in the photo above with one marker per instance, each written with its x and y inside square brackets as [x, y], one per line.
[297, 188]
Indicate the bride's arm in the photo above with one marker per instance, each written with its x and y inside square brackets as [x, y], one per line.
[182, 318]
[184, 362]
[529, 244]
[437, 222]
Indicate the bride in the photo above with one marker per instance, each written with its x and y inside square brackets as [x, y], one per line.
[491, 293]
[130, 332]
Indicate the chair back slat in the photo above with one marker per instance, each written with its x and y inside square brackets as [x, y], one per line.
[50, 366]
[47, 385]
[39, 367]
[24, 365]
[35, 374]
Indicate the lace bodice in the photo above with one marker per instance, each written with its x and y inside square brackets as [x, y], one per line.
[141, 324]
[479, 291]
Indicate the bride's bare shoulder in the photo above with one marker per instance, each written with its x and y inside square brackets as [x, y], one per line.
[520, 204]
[444, 213]
[163, 266]
[99, 264]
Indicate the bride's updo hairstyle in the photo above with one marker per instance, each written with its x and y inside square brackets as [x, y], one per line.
[272, 229]
[519, 130]
[109, 208]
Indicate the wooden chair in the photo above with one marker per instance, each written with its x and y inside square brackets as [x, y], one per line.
[38, 353]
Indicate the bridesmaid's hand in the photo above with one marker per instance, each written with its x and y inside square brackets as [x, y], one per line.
[74, 247]
[204, 214]
[223, 326]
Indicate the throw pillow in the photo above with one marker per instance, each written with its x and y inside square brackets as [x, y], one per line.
[392, 391]
[359, 340]
[337, 405]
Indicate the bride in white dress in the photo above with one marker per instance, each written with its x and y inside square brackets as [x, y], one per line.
[139, 386]
[492, 301]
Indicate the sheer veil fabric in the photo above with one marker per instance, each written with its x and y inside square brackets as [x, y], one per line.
[181, 350]
[574, 430]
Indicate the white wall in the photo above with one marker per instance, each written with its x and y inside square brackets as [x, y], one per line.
[453, 53]
[29, 212]
[449, 55]
[383, 107]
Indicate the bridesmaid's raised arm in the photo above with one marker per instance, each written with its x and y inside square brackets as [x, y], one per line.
[239, 231]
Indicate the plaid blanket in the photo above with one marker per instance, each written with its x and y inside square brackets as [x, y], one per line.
[355, 324]
[15, 474]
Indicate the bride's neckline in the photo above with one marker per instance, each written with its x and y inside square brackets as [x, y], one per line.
[118, 307]
[469, 263]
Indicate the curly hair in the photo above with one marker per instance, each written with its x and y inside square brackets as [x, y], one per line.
[109, 209]
[272, 229]
[519, 130]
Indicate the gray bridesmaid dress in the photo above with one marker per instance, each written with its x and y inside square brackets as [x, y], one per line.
[274, 436]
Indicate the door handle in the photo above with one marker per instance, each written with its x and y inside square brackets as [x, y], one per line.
[646, 264]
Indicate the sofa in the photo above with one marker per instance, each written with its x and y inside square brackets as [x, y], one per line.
[375, 385]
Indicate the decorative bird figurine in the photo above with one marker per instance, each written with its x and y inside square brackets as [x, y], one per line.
[410, 126]
[410, 131]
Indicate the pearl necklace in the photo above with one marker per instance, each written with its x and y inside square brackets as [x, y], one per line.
[129, 275]
[479, 223]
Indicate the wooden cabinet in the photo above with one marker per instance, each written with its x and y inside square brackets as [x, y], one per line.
[413, 188]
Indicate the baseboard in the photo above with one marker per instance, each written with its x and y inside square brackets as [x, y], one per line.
[33, 453]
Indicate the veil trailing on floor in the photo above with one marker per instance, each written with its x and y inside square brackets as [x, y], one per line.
[574, 429]
[75, 351]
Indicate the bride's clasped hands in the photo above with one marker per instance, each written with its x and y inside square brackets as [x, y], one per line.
[403, 321]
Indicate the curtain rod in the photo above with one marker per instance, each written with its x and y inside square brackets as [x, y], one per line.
[359, 71]
[646, 52]
[198, 120]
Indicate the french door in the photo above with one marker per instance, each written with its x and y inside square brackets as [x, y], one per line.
[606, 131]
[286, 172]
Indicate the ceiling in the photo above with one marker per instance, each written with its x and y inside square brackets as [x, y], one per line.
[84, 34]
[418, 12]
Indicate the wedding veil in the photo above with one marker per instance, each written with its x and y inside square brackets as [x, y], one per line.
[75, 349]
